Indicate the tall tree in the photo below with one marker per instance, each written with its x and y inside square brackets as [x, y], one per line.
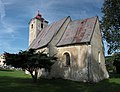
[30, 61]
[111, 24]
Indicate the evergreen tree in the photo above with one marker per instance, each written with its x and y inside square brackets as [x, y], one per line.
[111, 24]
[30, 61]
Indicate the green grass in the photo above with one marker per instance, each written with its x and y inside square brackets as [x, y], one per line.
[17, 81]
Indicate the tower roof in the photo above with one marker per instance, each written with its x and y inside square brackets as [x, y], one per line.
[38, 16]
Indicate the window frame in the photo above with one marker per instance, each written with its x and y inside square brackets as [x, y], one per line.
[67, 58]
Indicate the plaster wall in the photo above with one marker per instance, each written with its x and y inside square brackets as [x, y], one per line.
[77, 70]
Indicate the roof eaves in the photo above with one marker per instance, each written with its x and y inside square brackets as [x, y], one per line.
[82, 43]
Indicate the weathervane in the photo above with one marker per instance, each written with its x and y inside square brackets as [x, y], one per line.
[38, 12]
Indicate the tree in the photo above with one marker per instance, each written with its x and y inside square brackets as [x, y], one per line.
[110, 24]
[30, 61]
[116, 62]
[109, 63]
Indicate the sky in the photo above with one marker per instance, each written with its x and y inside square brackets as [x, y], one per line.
[16, 14]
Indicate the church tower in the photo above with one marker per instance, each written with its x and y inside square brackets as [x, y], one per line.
[35, 26]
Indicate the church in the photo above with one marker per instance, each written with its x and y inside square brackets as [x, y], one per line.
[77, 44]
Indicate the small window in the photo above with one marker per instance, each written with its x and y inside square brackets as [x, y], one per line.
[67, 59]
[41, 25]
[32, 26]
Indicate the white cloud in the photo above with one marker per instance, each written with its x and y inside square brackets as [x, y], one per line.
[2, 10]
[11, 27]
[8, 24]
[7, 47]
[6, 27]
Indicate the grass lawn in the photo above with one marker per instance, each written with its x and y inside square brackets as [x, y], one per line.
[17, 81]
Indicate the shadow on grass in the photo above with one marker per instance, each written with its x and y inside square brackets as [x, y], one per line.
[8, 70]
[12, 84]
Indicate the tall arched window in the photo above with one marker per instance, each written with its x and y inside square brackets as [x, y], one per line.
[67, 59]
[99, 57]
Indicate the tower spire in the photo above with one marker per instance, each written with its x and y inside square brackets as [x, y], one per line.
[38, 16]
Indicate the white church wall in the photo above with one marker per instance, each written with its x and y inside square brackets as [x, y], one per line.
[77, 70]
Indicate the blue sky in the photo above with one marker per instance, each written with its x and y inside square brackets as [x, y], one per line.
[16, 14]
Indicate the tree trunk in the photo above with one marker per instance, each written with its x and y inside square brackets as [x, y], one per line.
[34, 76]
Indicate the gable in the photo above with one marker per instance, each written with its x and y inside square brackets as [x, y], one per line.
[79, 31]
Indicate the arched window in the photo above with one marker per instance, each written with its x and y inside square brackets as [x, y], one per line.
[99, 60]
[67, 59]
